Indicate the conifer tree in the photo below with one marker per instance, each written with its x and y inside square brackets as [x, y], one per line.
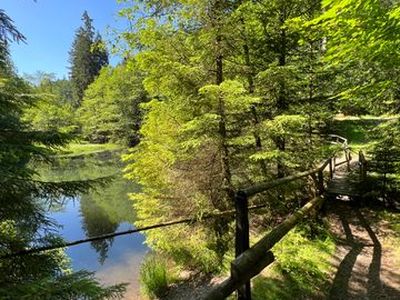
[99, 54]
[219, 93]
[385, 162]
[362, 41]
[87, 56]
[23, 220]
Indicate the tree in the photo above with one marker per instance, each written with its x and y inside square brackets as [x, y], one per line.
[100, 54]
[23, 222]
[87, 56]
[223, 115]
[110, 110]
[185, 132]
[385, 162]
[8, 33]
[281, 65]
[362, 39]
[53, 109]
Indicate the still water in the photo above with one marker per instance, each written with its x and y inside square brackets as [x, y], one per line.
[104, 210]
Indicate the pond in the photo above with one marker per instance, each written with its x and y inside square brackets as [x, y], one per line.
[104, 210]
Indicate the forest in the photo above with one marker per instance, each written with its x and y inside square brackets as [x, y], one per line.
[210, 98]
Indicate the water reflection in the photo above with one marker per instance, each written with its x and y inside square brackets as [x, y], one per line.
[127, 267]
[95, 222]
[103, 211]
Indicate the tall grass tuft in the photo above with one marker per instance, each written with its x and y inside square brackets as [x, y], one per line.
[154, 276]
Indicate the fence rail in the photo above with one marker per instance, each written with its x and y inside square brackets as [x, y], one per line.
[255, 259]
[251, 261]
[191, 220]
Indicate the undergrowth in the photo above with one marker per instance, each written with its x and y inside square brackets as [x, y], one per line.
[301, 268]
[392, 241]
[155, 276]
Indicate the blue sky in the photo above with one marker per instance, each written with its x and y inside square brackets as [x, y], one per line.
[50, 25]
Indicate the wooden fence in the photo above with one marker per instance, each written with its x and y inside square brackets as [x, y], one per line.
[251, 261]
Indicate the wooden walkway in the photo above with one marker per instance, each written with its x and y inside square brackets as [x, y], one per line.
[346, 183]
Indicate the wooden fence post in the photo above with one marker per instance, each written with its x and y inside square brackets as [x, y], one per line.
[334, 164]
[242, 240]
[363, 170]
[348, 158]
[320, 182]
[331, 163]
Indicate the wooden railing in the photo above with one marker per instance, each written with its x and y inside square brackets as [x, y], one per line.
[251, 261]
[363, 166]
[337, 139]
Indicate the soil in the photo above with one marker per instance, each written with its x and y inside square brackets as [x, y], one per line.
[366, 263]
[195, 287]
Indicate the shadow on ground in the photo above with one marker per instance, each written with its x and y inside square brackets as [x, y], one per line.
[363, 265]
[359, 260]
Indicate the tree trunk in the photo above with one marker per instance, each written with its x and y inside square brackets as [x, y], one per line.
[250, 81]
[220, 225]
[282, 104]
[222, 125]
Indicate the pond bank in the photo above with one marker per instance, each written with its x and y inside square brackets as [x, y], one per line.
[82, 149]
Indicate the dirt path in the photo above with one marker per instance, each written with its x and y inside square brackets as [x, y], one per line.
[194, 289]
[365, 265]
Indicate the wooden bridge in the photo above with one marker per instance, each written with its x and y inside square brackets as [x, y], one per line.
[340, 177]
[347, 182]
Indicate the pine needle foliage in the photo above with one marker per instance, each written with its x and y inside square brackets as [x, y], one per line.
[229, 90]
[87, 56]
[23, 220]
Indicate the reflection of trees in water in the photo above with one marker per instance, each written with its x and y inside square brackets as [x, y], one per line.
[95, 221]
[105, 208]
[80, 168]
[114, 200]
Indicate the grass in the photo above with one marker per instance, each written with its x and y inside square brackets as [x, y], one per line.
[78, 149]
[357, 129]
[156, 276]
[300, 270]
